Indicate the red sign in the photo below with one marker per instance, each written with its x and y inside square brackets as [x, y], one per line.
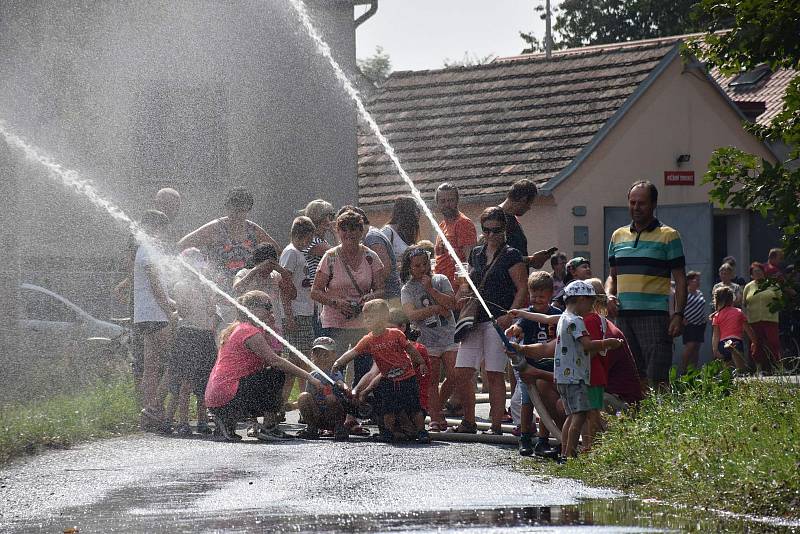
[678, 177]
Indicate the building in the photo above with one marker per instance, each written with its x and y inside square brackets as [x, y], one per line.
[584, 125]
[199, 96]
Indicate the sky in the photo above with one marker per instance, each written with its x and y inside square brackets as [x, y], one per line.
[420, 34]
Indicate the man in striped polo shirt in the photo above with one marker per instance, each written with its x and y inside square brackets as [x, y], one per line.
[643, 257]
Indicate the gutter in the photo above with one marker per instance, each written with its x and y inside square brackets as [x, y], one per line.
[373, 8]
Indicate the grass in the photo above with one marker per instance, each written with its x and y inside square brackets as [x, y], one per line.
[96, 412]
[709, 443]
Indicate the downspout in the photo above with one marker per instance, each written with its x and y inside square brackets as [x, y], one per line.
[373, 8]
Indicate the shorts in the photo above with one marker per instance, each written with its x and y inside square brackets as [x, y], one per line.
[596, 397]
[575, 397]
[436, 352]
[726, 354]
[256, 394]
[192, 357]
[483, 346]
[304, 336]
[150, 327]
[694, 333]
[649, 341]
[397, 397]
[524, 396]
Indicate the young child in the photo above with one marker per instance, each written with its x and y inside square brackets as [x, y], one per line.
[298, 323]
[572, 360]
[398, 389]
[195, 351]
[728, 324]
[540, 289]
[320, 407]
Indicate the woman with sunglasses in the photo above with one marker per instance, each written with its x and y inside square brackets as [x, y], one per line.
[502, 273]
[248, 376]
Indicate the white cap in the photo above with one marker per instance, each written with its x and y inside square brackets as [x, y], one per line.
[579, 288]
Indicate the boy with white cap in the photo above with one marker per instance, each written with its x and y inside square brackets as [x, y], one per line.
[572, 364]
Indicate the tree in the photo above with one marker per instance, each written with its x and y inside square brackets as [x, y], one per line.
[588, 22]
[761, 32]
[376, 67]
[468, 60]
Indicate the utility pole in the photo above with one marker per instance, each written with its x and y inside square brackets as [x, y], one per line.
[548, 33]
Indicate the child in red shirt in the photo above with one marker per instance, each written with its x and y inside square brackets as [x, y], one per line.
[395, 357]
[728, 323]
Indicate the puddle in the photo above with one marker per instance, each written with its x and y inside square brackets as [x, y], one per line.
[593, 516]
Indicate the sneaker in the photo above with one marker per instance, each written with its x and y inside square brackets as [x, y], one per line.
[525, 445]
[224, 431]
[464, 427]
[494, 431]
[272, 433]
[544, 450]
[517, 431]
[423, 437]
[341, 433]
[183, 430]
[309, 433]
[203, 428]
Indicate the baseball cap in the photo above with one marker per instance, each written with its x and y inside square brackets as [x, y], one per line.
[325, 343]
[579, 288]
[580, 260]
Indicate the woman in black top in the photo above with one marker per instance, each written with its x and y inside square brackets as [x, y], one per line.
[503, 275]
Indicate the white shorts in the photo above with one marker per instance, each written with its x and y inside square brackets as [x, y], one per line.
[436, 352]
[483, 346]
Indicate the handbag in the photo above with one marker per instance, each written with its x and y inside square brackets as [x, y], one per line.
[466, 318]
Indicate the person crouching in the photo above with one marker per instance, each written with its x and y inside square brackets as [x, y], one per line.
[248, 375]
[320, 407]
[393, 353]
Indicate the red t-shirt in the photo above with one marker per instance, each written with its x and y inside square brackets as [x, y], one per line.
[461, 233]
[730, 321]
[234, 362]
[388, 352]
[598, 375]
[424, 380]
[623, 376]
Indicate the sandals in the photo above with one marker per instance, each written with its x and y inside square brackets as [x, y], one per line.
[437, 426]
[464, 427]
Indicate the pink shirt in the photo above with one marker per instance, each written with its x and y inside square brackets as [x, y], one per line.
[730, 321]
[234, 362]
[340, 285]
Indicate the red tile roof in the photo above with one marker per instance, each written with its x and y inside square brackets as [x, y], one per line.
[769, 91]
[487, 126]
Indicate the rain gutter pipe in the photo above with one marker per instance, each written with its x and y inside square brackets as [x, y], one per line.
[373, 8]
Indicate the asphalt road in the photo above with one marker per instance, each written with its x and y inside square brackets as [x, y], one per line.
[149, 483]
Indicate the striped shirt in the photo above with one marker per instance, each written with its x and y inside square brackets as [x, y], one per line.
[695, 310]
[644, 262]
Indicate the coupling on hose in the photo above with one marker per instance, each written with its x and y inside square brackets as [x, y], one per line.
[518, 361]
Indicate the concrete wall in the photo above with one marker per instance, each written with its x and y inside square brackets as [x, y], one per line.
[200, 96]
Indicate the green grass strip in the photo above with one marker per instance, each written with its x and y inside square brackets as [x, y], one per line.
[738, 451]
[101, 411]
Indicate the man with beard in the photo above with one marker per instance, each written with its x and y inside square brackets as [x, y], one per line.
[458, 228]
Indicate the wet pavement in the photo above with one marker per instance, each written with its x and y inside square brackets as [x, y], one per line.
[149, 483]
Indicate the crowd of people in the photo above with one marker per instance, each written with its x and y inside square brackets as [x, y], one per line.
[399, 338]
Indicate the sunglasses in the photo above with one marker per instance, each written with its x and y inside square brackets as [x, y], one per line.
[263, 305]
[351, 228]
[499, 230]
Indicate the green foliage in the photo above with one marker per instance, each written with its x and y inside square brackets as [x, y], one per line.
[581, 22]
[737, 452]
[760, 32]
[468, 60]
[102, 411]
[713, 380]
[376, 67]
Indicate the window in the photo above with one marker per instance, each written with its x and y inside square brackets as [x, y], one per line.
[750, 78]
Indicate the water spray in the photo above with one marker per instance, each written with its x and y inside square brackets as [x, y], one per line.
[71, 179]
[323, 48]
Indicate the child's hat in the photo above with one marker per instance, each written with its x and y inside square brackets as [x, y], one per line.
[325, 343]
[579, 288]
[578, 261]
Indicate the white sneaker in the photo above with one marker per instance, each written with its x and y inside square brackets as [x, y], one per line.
[272, 433]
